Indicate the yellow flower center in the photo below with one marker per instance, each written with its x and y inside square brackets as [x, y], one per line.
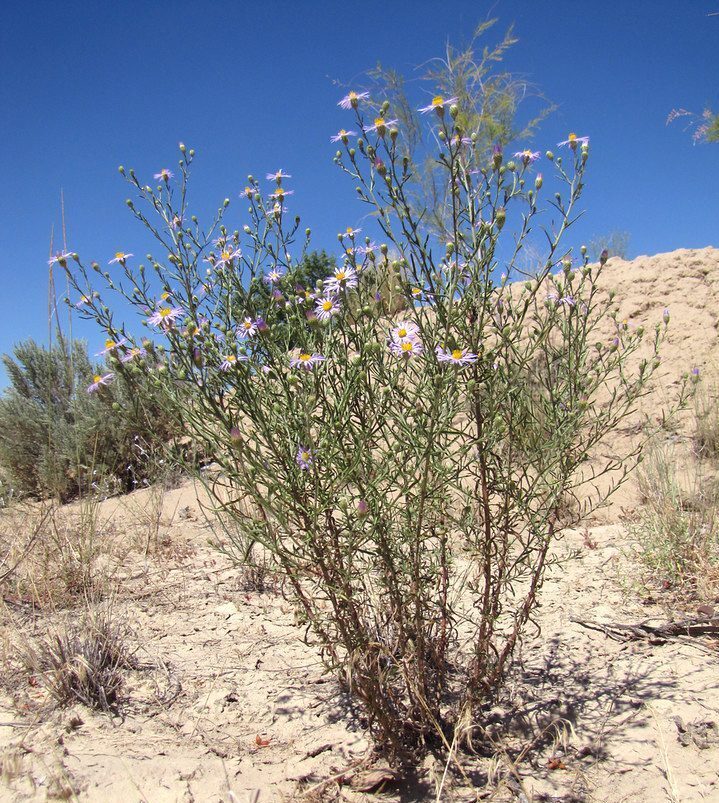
[305, 456]
[402, 332]
[326, 306]
[110, 344]
[457, 354]
[416, 291]
[438, 100]
[96, 378]
[247, 325]
[407, 347]
[353, 96]
[120, 255]
[225, 255]
[165, 296]
[349, 230]
[572, 137]
[379, 122]
[230, 358]
[164, 312]
[305, 357]
[340, 275]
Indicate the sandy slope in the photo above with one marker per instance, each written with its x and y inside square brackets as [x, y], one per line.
[220, 669]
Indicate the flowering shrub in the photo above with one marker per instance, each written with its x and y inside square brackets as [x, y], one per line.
[407, 473]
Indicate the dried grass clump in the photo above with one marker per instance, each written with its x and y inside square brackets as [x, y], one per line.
[82, 661]
[57, 556]
[678, 526]
[706, 413]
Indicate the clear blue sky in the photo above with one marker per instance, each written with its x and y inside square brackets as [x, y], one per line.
[252, 86]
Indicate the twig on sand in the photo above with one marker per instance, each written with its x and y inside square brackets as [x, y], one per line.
[656, 634]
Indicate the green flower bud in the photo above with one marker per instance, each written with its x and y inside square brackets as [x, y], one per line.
[549, 156]
[501, 218]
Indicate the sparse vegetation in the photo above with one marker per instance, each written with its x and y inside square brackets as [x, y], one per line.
[82, 660]
[58, 441]
[678, 525]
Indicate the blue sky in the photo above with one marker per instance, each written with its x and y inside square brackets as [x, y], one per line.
[253, 87]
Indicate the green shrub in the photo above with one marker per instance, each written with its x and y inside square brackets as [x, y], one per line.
[58, 440]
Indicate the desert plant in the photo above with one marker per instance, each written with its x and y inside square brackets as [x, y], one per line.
[82, 660]
[614, 244]
[706, 420]
[57, 440]
[705, 126]
[489, 102]
[678, 524]
[405, 475]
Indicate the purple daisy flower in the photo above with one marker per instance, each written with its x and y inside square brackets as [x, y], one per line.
[226, 256]
[99, 380]
[164, 317]
[381, 125]
[573, 140]
[229, 361]
[527, 156]
[352, 99]
[405, 330]
[132, 354]
[273, 276]
[438, 105]
[326, 307]
[341, 279]
[120, 256]
[248, 328]
[304, 457]
[111, 345]
[306, 361]
[456, 356]
[342, 135]
[164, 175]
[62, 258]
[280, 193]
[278, 176]
[350, 232]
[406, 348]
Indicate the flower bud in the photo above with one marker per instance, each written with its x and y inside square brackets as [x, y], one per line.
[226, 202]
[362, 509]
[538, 181]
[549, 156]
[665, 316]
[501, 217]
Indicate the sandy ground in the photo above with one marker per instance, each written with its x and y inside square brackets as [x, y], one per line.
[228, 703]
